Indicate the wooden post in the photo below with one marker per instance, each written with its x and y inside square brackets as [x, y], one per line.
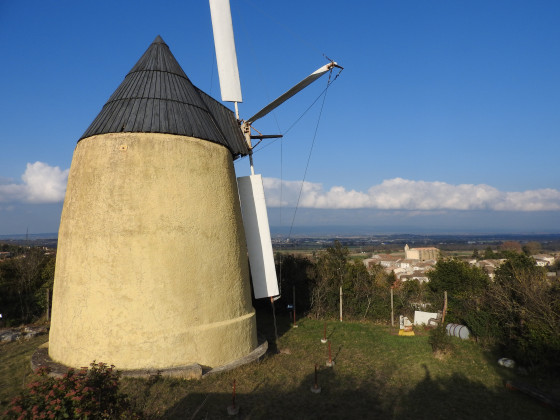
[340, 303]
[294, 304]
[444, 307]
[48, 304]
[274, 319]
[392, 309]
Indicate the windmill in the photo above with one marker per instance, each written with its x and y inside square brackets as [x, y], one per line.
[151, 270]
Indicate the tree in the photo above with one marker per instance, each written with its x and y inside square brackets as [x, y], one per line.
[43, 293]
[295, 271]
[489, 254]
[332, 273]
[510, 246]
[457, 277]
[465, 286]
[20, 282]
[408, 294]
[366, 291]
[475, 254]
[28, 280]
[526, 306]
[9, 301]
[391, 278]
[532, 248]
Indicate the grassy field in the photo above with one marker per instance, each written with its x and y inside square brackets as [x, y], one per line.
[15, 367]
[377, 374]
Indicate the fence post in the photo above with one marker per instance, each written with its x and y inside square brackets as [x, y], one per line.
[392, 309]
[444, 307]
[340, 303]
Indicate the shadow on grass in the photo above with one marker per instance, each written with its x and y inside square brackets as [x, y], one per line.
[336, 400]
[454, 397]
[343, 397]
[542, 380]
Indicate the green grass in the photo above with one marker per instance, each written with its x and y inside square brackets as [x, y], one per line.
[15, 367]
[377, 374]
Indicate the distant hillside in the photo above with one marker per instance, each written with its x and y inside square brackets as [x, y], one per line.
[31, 236]
[50, 240]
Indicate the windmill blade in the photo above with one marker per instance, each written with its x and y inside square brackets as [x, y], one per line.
[257, 234]
[300, 86]
[226, 57]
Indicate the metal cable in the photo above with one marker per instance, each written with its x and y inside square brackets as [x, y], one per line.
[309, 157]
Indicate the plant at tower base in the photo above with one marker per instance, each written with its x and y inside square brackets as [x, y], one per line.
[87, 393]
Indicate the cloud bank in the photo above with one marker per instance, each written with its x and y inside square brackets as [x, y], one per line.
[403, 194]
[41, 184]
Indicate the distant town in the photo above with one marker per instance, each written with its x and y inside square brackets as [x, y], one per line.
[418, 261]
[408, 257]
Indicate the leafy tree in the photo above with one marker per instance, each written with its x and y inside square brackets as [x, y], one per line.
[516, 264]
[28, 280]
[526, 306]
[532, 248]
[465, 286]
[407, 294]
[489, 254]
[365, 290]
[475, 254]
[391, 278]
[510, 246]
[331, 274]
[47, 283]
[9, 301]
[295, 271]
[457, 277]
[20, 282]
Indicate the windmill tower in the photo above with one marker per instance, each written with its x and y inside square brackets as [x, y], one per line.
[152, 264]
[151, 268]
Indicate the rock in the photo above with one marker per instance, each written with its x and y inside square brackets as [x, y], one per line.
[9, 336]
[505, 362]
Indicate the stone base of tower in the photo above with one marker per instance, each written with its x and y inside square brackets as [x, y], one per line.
[41, 358]
[208, 345]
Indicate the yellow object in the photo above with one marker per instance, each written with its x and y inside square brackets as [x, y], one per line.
[406, 333]
[152, 268]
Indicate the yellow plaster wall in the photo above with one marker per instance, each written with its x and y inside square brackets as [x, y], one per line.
[151, 267]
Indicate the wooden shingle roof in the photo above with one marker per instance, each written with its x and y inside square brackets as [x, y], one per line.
[156, 96]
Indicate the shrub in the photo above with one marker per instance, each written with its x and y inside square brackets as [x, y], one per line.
[87, 393]
[440, 340]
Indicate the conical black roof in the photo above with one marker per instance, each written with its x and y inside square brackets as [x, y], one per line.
[156, 96]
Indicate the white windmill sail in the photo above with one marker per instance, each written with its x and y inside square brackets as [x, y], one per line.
[257, 233]
[226, 57]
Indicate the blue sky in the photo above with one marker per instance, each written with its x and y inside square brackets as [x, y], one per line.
[446, 117]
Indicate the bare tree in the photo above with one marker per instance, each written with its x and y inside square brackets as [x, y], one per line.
[28, 276]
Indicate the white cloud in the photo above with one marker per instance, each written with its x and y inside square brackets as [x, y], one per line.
[47, 184]
[41, 184]
[403, 194]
